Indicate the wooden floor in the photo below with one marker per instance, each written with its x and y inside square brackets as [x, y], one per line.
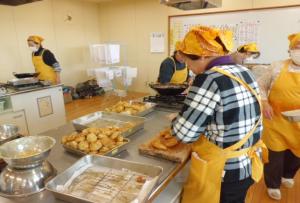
[256, 194]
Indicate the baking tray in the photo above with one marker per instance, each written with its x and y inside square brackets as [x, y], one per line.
[150, 107]
[112, 152]
[105, 119]
[152, 171]
[293, 116]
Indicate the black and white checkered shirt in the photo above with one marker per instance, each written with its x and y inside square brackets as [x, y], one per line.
[224, 111]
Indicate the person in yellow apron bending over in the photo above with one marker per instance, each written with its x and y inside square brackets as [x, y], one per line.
[246, 53]
[44, 61]
[280, 92]
[222, 118]
[173, 70]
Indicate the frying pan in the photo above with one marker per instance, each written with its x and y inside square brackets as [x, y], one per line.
[25, 75]
[169, 89]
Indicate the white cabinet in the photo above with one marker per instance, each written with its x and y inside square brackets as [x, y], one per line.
[17, 118]
[44, 109]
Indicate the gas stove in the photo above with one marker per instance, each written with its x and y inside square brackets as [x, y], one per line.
[166, 102]
[23, 81]
[21, 84]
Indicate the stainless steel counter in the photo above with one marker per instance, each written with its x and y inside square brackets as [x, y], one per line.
[11, 91]
[61, 160]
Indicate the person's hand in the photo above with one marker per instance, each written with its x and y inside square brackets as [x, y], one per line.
[186, 91]
[172, 116]
[267, 110]
[58, 81]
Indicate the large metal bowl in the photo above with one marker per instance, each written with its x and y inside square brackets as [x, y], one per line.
[24, 182]
[8, 132]
[26, 152]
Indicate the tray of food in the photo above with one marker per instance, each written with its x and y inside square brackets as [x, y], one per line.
[106, 141]
[106, 180]
[128, 124]
[164, 145]
[132, 107]
[293, 116]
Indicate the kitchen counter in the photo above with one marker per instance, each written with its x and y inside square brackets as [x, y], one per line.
[34, 110]
[11, 91]
[61, 159]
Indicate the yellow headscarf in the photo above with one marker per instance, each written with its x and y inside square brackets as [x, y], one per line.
[251, 47]
[35, 38]
[294, 39]
[207, 41]
[177, 45]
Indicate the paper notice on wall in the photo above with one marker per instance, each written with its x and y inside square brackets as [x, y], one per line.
[113, 54]
[45, 106]
[98, 53]
[247, 32]
[157, 42]
[105, 53]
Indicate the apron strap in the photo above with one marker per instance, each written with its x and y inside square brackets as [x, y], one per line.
[175, 68]
[247, 86]
[42, 53]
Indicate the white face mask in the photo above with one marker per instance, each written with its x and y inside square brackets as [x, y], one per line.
[295, 56]
[33, 49]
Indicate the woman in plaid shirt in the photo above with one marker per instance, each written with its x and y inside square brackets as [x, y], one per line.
[222, 118]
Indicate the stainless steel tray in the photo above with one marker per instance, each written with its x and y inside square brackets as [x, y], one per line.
[149, 108]
[152, 171]
[293, 116]
[112, 152]
[103, 119]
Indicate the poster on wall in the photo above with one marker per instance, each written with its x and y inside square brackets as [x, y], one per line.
[157, 42]
[45, 106]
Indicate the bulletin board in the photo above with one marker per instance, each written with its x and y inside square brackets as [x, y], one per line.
[269, 28]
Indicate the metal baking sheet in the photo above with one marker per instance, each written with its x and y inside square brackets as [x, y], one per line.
[149, 108]
[293, 116]
[112, 152]
[103, 119]
[149, 170]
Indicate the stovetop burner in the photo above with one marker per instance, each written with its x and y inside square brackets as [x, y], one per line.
[26, 87]
[167, 102]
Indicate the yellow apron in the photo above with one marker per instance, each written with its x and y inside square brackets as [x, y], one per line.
[204, 181]
[46, 72]
[280, 134]
[179, 76]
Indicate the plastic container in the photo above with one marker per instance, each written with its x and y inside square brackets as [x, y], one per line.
[2, 102]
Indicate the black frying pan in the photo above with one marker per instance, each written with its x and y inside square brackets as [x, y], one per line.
[25, 75]
[169, 89]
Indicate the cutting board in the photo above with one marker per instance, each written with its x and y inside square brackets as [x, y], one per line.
[179, 153]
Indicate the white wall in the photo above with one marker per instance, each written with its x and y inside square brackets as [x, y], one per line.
[130, 22]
